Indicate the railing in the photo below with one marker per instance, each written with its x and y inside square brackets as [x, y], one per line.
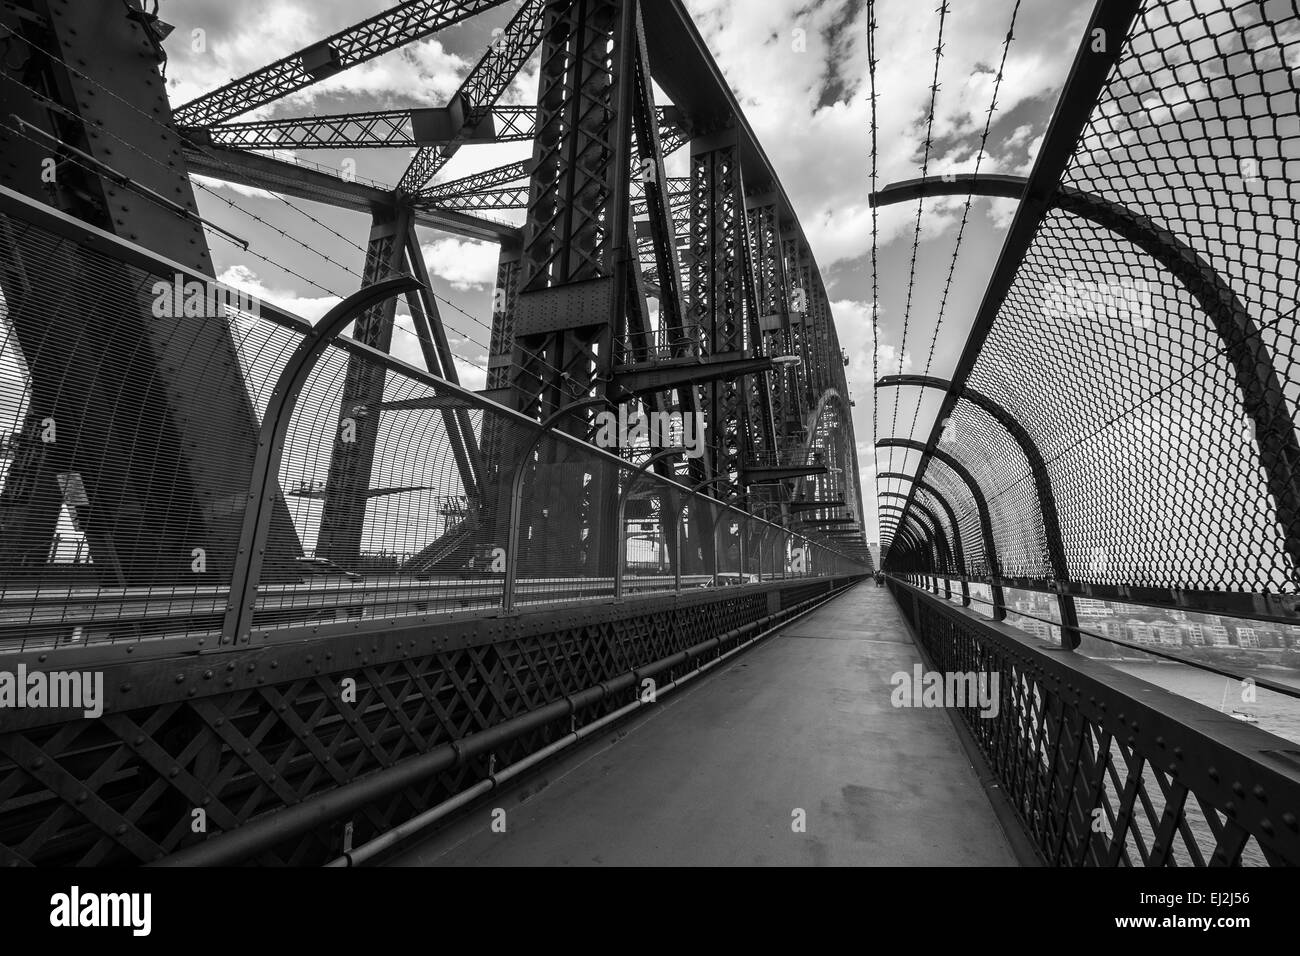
[138, 425]
[1104, 769]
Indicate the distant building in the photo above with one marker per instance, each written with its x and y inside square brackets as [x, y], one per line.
[1246, 637]
[874, 548]
[1170, 634]
[1216, 635]
[1040, 629]
[1140, 632]
[1269, 638]
[1194, 635]
[1087, 607]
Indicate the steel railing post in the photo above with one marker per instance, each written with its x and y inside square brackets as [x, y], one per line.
[247, 572]
[517, 494]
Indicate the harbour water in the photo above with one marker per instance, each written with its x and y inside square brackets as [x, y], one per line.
[1276, 713]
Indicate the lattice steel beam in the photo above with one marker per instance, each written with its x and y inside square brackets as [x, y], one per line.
[318, 185]
[352, 460]
[367, 130]
[405, 128]
[366, 40]
[477, 182]
[480, 91]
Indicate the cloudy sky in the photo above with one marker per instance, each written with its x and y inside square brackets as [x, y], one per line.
[799, 70]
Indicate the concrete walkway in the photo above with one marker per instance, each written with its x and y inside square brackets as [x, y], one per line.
[716, 773]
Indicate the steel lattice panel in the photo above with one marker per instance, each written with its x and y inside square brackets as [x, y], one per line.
[251, 732]
[1097, 778]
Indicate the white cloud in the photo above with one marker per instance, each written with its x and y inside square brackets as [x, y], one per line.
[472, 376]
[465, 263]
[244, 278]
[237, 188]
[811, 109]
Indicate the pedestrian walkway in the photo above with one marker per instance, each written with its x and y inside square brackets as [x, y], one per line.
[797, 730]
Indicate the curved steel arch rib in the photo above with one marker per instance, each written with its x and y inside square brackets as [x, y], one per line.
[1042, 485]
[981, 505]
[1253, 364]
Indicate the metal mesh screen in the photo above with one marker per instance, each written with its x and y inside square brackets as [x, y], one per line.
[129, 439]
[1147, 343]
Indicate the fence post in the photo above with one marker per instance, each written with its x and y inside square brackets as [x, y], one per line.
[242, 599]
[517, 495]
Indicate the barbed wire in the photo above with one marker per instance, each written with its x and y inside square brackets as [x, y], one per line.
[965, 214]
[920, 204]
[875, 273]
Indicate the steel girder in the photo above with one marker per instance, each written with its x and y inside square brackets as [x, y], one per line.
[111, 370]
[480, 91]
[749, 421]
[373, 37]
[404, 128]
[575, 277]
[352, 458]
[716, 291]
[477, 182]
[368, 130]
[507, 197]
[393, 250]
[318, 184]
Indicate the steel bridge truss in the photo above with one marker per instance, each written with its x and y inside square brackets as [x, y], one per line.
[326, 587]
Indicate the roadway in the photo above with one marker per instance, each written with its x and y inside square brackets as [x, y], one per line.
[715, 773]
